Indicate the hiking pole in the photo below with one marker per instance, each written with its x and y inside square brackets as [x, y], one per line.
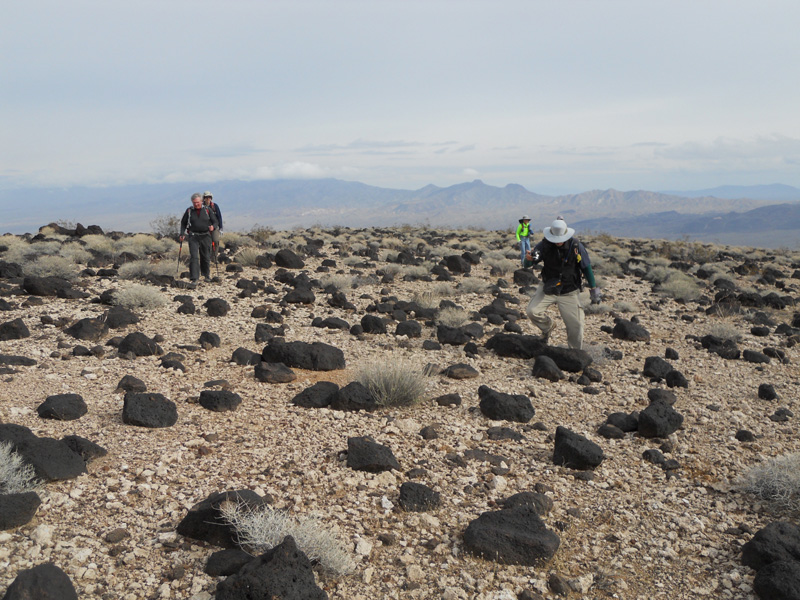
[178, 267]
[214, 252]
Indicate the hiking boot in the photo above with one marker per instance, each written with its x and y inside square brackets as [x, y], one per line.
[546, 335]
[208, 279]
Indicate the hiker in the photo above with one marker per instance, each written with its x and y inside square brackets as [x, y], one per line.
[198, 223]
[523, 237]
[208, 202]
[565, 261]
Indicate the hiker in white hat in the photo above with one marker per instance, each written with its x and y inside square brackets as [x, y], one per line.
[565, 261]
[523, 237]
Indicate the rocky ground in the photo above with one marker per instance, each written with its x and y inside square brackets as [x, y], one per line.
[629, 529]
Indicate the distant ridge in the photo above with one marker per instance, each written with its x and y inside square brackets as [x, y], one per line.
[775, 192]
[291, 203]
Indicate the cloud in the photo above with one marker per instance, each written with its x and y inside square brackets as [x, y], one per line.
[757, 149]
[363, 146]
[471, 173]
[300, 170]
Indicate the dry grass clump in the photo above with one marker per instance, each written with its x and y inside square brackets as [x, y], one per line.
[501, 264]
[776, 481]
[725, 331]
[452, 317]
[140, 269]
[139, 296]
[247, 257]
[605, 266]
[50, 266]
[16, 475]
[11, 241]
[624, 307]
[681, 287]
[24, 252]
[393, 382]
[473, 286]
[143, 244]
[261, 234]
[411, 272]
[75, 253]
[342, 283]
[265, 527]
[239, 240]
[99, 243]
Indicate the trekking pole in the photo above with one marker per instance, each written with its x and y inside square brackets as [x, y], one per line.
[178, 267]
[214, 252]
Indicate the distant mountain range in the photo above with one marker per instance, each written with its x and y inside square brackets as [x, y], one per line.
[720, 214]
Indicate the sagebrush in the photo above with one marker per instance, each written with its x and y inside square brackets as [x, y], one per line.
[776, 481]
[393, 382]
[16, 476]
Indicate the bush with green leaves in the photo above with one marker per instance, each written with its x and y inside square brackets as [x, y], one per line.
[260, 529]
[16, 475]
[393, 382]
[776, 481]
[139, 296]
[50, 266]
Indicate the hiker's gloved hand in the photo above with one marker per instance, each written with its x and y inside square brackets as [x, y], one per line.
[595, 295]
[536, 256]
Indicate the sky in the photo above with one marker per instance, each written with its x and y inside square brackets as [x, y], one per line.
[560, 96]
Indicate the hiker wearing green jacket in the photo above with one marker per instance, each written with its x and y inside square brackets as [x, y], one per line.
[565, 262]
[523, 237]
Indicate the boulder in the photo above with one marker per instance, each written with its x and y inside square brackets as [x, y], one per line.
[119, 317]
[516, 346]
[541, 503]
[62, 407]
[514, 536]
[282, 573]
[410, 329]
[84, 448]
[630, 331]
[352, 397]
[209, 339]
[226, 562]
[18, 509]
[364, 454]
[220, 400]
[500, 406]
[778, 541]
[245, 358]
[659, 420]
[150, 410]
[416, 497]
[373, 324]
[779, 580]
[43, 582]
[287, 259]
[576, 451]
[216, 307]
[51, 459]
[129, 383]
[13, 330]
[545, 367]
[89, 329]
[315, 356]
[273, 372]
[454, 336]
[571, 360]
[139, 344]
[461, 371]
[205, 522]
[46, 286]
[318, 395]
[656, 367]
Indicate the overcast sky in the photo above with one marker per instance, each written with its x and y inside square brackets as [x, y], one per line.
[558, 95]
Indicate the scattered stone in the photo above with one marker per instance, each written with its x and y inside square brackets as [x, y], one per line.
[139, 344]
[84, 448]
[245, 358]
[575, 451]
[315, 356]
[226, 562]
[546, 368]
[778, 541]
[220, 400]
[150, 410]
[656, 367]
[129, 383]
[43, 582]
[629, 331]
[743, 435]
[273, 372]
[448, 400]
[779, 580]
[540, 502]
[63, 407]
[364, 454]
[18, 509]
[415, 497]
[659, 420]
[514, 536]
[499, 406]
[205, 522]
[216, 307]
[318, 395]
[767, 392]
[88, 329]
[461, 371]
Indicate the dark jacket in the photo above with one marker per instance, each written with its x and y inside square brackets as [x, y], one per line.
[215, 208]
[197, 220]
[562, 267]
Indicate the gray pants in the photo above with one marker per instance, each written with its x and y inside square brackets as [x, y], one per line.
[569, 305]
[199, 255]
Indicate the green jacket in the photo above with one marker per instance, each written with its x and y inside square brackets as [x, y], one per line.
[523, 230]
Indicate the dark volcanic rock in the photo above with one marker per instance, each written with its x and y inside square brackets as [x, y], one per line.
[88, 329]
[216, 307]
[416, 497]
[46, 286]
[575, 451]
[287, 259]
[318, 395]
[545, 368]
[571, 360]
[373, 324]
[63, 407]
[52, 460]
[13, 330]
[514, 536]
[659, 420]
[778, 541]
[42, 582]
[352, 397]
[119, 317]
[624, 421]
[655, 366]
[226, 562]
[541, 503]
[220, 400]
[245, 357]
[364, 454]
[629, 331]
[282, 573]
[139, 344]
[779, 580]
[453, 336]
[448, 400]
[18, 509]
[516, 346]
[205, 522]
[84, 448]
[767, 392]
[315, 356]
[149, 410]
[129, 383]
[505, 407]
[461, 371]
[273, 372]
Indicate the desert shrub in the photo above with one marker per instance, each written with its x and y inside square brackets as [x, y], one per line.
[75, 253]
[140, 269]
[16, 476]
[392, 269]
[142, 244]
[263, 528]
[351, 261]
[452, 317]
[659, 274]
[595, 309]
[166, 226]
[22, 253]
[357, 247]
[393, 382]
[472, 285]
[99, 243]
[247, 256]
[139, 296]
[605, 266]
[681, 287]
[623, 306]
[393, 243]
[50, 266]
[260, 233]
[725, 331]
[776, 481]
[415, 271]
[232, 238]
[12, 241]
[502, 265]
[340, 282]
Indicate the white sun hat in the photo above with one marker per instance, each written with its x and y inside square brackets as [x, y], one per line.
[558, 231]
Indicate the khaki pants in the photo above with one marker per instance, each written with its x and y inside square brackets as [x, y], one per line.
[569, 305]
